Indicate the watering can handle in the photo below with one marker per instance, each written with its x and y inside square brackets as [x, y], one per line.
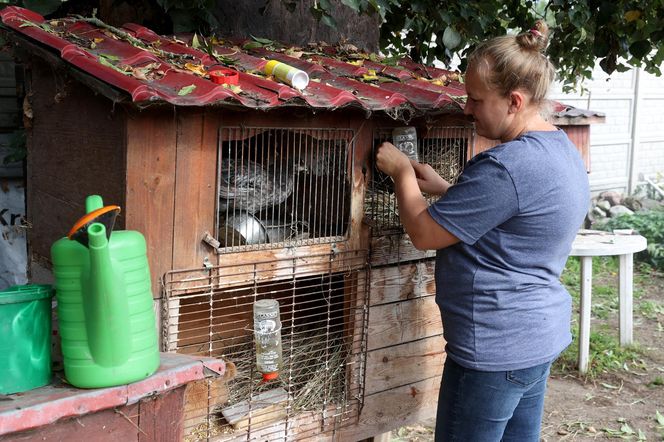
[93, 202]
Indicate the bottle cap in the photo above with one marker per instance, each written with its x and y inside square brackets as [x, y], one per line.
[270, 376]
[224, 76]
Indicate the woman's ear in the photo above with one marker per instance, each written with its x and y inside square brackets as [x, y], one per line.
[517, 102]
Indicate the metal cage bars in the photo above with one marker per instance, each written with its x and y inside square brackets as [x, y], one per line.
[283, 187]
[323, 306]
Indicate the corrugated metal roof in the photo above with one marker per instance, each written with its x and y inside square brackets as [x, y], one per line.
[153, 68]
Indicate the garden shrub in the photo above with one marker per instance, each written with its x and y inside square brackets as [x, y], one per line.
[650, 224]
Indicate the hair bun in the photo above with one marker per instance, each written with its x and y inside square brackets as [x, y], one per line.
[536, 38]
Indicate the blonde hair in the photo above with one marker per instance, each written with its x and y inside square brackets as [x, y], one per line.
[516, 62]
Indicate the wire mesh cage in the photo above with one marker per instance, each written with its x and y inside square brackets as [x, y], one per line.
[320, 386]
[283, 187]
[444, 148]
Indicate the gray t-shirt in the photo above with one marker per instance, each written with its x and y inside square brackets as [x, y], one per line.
[516, 209]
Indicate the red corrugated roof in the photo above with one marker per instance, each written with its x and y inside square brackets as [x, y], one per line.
[153, 68]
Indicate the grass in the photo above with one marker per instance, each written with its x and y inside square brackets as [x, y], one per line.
[606, 354]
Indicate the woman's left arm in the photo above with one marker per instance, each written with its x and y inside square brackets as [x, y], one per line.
[423, 230]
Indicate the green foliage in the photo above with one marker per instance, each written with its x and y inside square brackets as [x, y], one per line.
[606, 354]
[191, 15]
[43, 7]
[620, 34]
[649, 223]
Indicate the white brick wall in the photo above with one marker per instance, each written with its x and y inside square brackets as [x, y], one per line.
[612, 143]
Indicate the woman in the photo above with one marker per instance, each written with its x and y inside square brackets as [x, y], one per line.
[503, 233]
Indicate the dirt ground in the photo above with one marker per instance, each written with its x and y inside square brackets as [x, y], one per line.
[622, 404]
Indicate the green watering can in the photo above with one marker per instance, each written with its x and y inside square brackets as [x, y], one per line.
[105, 312]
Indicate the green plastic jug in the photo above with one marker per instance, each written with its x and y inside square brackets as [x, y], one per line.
[105, 309]
[25, 332]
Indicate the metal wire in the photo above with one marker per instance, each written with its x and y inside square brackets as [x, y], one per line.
[444, 148]
[320, 388]
[283, 187]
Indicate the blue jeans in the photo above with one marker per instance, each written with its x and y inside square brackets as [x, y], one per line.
[482, 406]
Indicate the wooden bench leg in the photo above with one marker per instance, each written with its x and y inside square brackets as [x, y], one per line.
[625, 297]
[584, 320]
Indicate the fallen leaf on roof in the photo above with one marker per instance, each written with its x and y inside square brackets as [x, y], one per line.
[233, 87]
[187, 90]
[292, 52]
[197, 69]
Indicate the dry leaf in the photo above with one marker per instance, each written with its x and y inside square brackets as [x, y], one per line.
[294, 53]
[197, 69]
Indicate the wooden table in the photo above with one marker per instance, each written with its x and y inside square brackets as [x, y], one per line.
[589, 243]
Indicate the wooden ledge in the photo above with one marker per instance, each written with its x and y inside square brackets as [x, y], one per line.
[45, 405]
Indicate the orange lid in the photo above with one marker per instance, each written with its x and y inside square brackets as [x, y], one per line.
[270, 376]
[224, 76]
[91, 217]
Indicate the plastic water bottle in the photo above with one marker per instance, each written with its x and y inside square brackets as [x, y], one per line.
[267, 336]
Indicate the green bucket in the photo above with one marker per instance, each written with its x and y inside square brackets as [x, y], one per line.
[25, 346]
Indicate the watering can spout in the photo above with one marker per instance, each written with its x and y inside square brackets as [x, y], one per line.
[106, 305]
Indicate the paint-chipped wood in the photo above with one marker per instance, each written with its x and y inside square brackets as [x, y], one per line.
[394, 249]
[401, 282]
[119, 424]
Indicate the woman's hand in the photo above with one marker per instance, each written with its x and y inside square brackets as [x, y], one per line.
[391, 161]
[429, 180]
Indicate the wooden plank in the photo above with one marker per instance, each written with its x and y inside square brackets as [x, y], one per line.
[120, 424]
[394, 249]
[160, 418]
[393, 324]
[195, 188]
[391, 367]
[391, 409]
[398, 283]
[69, 157]
[151, 154]
[580, 136]
[201, 399]
[481, 144]
[286, 263]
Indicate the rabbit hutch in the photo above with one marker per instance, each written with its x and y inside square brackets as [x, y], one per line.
[248, 189]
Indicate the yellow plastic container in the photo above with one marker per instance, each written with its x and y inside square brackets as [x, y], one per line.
[287, 73]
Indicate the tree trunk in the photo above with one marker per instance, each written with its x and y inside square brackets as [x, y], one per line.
[243, 19]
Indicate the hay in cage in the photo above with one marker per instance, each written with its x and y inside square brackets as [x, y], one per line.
[313, 371]
[381, 206]
[314, 375]
[445, 157]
